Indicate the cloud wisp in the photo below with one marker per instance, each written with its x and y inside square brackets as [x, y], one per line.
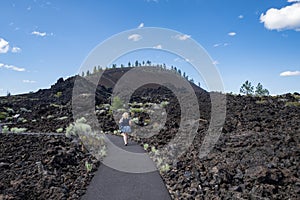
[141, 25]
[12, 67]
[290, 73]
[159, 46]
[38, 33]
[135, 37]
[16, 50]
[232, 34]
[4, 46]
[182, 37]
[221, 45]
[28, 81]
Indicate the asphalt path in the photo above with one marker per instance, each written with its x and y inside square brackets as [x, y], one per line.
[126, 173]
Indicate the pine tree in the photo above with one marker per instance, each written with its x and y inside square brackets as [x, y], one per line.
[95, 70]
[247, 88]
[260, 91]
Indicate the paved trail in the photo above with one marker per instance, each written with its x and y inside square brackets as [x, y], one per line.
[109, 183]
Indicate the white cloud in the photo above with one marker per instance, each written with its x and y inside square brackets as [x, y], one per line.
[141, 25]
[134, 37]
[215, 62]
[182, 37]
[28, 81]
[280, 19]
[42, 34]
[4, 46]
[12, 67]
[159, 46]
[241, 16]
[290, 73]
[221, 45]
[232, 33]
[181, 60]
[16, 50]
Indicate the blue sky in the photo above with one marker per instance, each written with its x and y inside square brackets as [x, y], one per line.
[43, 40]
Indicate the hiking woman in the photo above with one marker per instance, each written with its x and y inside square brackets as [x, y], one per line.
[125, 123]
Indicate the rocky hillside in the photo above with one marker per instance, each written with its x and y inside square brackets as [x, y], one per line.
[256, 157]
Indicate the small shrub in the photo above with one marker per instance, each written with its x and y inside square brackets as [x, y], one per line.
[92, 141]
[135, 120]
[62, 118]
[58, 94]
[3, 115]
[88, 166]
[136, 110]
[9, 110]
[116, 103]
[78, 127]
[262, 101]
[296, 96]
[146, 146]
[59, 130]
[165, 168]
[164, 103]
[17, 130]
[154, 150]
[292, 104]
[50, 116]
[55, 105]
[5, 129]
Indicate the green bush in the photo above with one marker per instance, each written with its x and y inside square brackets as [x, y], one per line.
[9, 110]
[292, 104]
[62, 118]
[136, 110]
[55, 105]
[91, 140]
[17, 130]
[3, 115]
[5, 129]
[262, 101]
[50, 116]
[116, 103]
[146, 146]
[77, 128]
[296, 96]
[59, 130]
[88, 166]
[164, 103]
[58, 94]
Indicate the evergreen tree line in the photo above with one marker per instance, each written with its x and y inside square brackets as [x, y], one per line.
[98, 68]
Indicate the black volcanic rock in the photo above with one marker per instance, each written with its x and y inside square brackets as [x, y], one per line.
[256, 157]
